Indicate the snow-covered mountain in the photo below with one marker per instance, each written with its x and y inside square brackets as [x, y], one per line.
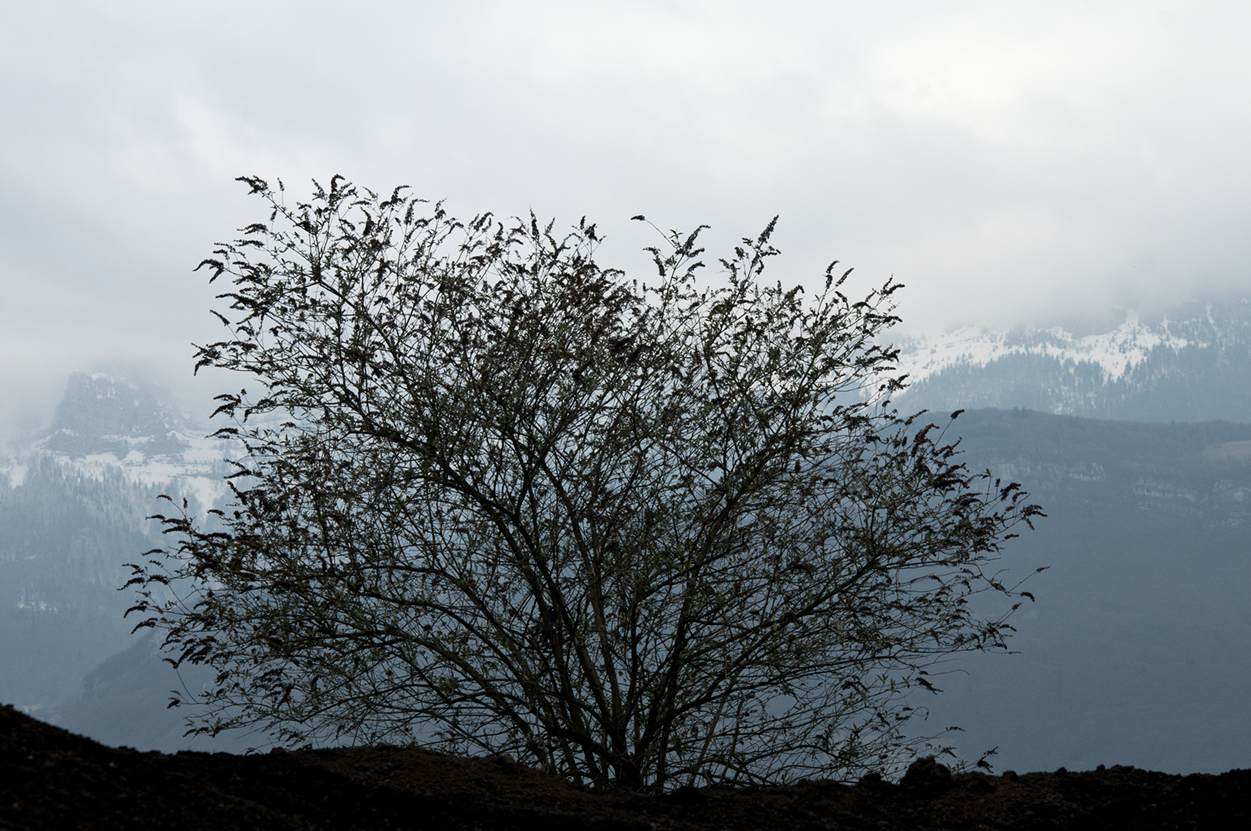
[1192, 365]
[108, 427]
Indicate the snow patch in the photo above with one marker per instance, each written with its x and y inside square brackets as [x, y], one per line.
[196, 472]
[17, 475]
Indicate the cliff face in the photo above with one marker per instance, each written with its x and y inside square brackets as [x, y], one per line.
[1131, 654]
[100, 414]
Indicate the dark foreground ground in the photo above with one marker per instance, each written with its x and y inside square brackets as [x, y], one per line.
[53, 779]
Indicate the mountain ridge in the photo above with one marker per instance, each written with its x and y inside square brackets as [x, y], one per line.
[1191, 365]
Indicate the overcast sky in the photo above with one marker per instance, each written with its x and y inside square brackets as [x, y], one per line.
[1009, 162]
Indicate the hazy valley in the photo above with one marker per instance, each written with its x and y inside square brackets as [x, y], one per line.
[1133, 653]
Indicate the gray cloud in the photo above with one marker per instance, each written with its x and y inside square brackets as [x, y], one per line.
[1008, 162]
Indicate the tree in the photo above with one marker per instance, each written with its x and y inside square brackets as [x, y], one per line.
[493, 497]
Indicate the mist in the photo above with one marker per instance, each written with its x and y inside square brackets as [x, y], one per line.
[1010, 165]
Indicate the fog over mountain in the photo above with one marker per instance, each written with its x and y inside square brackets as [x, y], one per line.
[1132, 653]
[73, 508]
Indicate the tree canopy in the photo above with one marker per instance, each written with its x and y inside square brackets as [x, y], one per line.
[492, 497]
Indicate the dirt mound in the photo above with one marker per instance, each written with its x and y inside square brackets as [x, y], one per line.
[50, 778]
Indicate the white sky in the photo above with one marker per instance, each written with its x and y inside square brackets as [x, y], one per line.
[1009, 162]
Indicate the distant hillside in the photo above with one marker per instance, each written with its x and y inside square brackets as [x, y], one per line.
[1135, 651]
[1192, 365]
